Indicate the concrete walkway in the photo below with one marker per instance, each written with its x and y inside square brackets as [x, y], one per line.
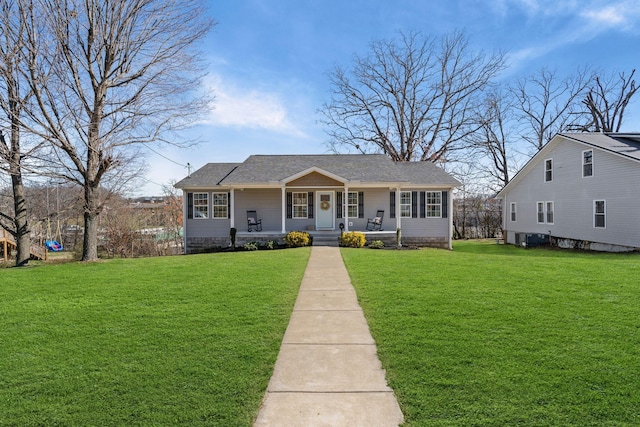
[328, 372]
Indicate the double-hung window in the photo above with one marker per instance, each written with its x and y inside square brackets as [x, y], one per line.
[513, 211]
[352, 204]
[549, 206]
[587, 163]
[545, 212]
[300, 205]
[405, 204]
[201, 205]
[599, 213]
[221, 205]
[540, 212]
[434, 203]
[548, 170]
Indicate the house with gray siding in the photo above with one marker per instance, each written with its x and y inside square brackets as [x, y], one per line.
[321, 194]
[581, 190]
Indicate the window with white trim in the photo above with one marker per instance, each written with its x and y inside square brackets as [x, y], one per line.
[300, 205]
[599, 214]
[434, 203]
[549, 213]
[221, 205]
[513, 211]
[201, 205]
[540, 206]
[405, 204]
[587, 163]
[548, 170]
[352, 204]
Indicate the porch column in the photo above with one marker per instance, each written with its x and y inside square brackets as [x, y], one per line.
[232, 202]
[284, 209]
[450, 202]
[398, 219]
[345, 213]
[185, 215]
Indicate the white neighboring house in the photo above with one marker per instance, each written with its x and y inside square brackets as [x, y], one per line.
[581, 190]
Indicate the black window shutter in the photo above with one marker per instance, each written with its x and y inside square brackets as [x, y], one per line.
[339, 205]
[423, 204]
[392, 204]
[229, 205]
[310, 205]
[189, 205]
[289, 205]
[414, 204]
[360, 204]
[445, 204]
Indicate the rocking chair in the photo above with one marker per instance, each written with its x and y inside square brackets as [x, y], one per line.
[375, 223]
[253, 222]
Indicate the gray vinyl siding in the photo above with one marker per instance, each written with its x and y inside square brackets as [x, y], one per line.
[614, 180]
[210, 227]
[426, 227]
[374, 200]
[266, 202]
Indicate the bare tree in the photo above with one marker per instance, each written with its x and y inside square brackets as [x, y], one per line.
[548, 104]
[412, 98]
[109, 76]
[494, 139]
[606, 102]
[14, 94]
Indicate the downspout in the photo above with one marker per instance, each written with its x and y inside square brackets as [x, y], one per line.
[185, 214]
[232, 223]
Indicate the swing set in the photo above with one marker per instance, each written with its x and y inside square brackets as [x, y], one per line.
[53, 243]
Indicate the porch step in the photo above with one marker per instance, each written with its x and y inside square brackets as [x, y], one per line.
[328, 240]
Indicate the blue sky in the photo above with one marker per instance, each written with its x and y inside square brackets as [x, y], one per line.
[268, 61]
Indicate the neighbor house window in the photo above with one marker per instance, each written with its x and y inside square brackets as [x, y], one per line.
[548, 170]
[549, 212]
[540, 212]
[300, 205]
[221, 205]
[434, 202]
[513, 211]
[405, 204]
[587, 163]
[352, 204]
[599, 213]
[201, 205]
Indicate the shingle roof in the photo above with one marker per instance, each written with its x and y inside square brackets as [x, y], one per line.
[625, 144]
[276, 169]
[209, 175]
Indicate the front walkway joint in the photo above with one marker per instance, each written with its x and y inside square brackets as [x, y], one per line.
[328, 372]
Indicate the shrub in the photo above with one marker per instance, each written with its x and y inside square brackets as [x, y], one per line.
[271, 244]
[250, 246]
[353, 239]
[376, 244]
[296, 239]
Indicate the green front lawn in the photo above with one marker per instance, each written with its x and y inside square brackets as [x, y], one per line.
[496, 335]
[187, 340]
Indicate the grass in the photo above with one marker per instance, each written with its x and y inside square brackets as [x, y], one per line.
[495, 335]
[158, 341]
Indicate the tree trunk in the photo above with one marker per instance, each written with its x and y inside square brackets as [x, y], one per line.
[91, 213]
[23, 241]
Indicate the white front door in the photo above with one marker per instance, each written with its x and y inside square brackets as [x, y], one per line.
[325, 212]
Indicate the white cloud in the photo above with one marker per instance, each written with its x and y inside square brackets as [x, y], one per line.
[236, 106]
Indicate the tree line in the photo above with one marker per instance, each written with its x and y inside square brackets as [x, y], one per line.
[418, 97]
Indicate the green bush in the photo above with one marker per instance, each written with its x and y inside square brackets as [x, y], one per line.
[376, 244]
[271, 244]
[296, 239]
[250, 246]
[353, 239]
